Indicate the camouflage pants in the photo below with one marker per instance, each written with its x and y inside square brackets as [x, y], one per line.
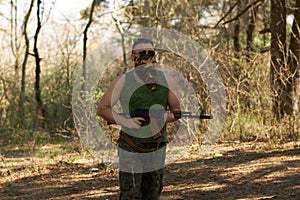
[137, 183]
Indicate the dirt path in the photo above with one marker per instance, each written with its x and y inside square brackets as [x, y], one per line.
[238, 172]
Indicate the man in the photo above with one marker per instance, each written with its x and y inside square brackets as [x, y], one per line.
[143, 138]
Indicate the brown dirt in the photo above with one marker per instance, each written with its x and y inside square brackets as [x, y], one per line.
[236, 171]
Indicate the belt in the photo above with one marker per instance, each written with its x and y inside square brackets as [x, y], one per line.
[142, 147]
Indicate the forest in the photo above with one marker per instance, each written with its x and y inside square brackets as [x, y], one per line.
[235, 60]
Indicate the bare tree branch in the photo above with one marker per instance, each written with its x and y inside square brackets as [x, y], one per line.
[251, 5]
[121, 31]
[229, 11]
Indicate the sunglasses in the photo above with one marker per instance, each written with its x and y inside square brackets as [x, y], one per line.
[144, 52]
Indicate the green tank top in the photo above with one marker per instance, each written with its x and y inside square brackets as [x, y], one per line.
[137, 95]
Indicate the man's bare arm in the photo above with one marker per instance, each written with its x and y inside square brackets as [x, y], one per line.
[109, 99]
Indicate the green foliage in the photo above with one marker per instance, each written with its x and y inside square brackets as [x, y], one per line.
[20, 137]
[244, 127]
[48, 154]
[57, 97]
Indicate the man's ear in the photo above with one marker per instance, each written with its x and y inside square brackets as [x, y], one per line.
[132, 57]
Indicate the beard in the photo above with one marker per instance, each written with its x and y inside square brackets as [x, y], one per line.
[148, 74]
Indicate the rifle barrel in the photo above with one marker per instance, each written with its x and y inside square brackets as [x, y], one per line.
[196, 116]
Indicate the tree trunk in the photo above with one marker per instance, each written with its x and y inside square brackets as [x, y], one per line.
[121, 31]
[236, 33]
[40, 105]
[85, 38]
[250, 30]
[278, 46]
[15, 45]
[293, 85]
[145, 18]
[23, 81]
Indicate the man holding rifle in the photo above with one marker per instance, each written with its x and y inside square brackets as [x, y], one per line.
[144, 88]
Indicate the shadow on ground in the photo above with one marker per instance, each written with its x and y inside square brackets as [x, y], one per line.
[235, 175]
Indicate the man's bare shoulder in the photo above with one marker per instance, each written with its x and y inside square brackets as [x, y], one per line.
[119, 79]
[169, 78]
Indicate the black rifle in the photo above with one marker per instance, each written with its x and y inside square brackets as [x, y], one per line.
[147, 114]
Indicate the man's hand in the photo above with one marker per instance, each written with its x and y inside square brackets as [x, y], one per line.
[132, 123]
[169, 116]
